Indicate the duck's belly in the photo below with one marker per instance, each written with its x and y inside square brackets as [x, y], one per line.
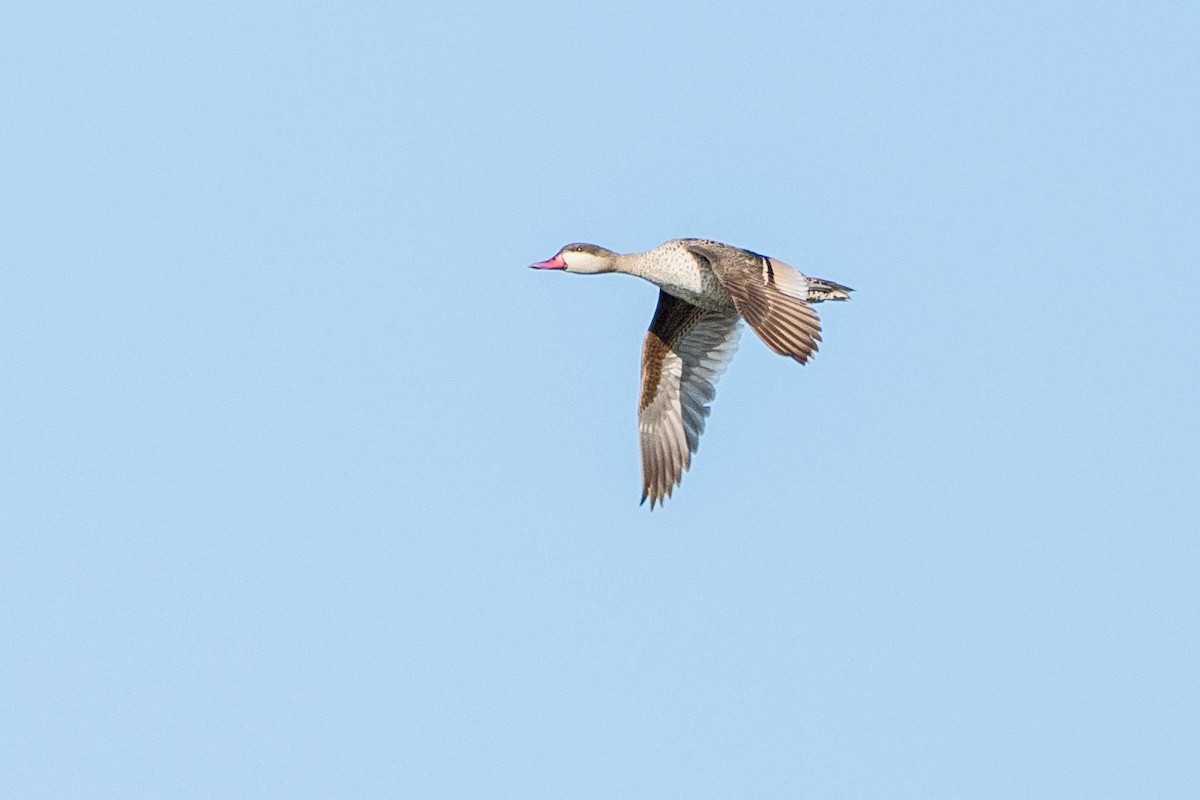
[707, 292]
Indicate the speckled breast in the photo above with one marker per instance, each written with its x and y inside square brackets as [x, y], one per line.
[677, 272]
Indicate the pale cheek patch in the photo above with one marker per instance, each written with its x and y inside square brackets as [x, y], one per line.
[583, 262]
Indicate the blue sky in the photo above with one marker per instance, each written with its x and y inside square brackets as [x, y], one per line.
[310, 488]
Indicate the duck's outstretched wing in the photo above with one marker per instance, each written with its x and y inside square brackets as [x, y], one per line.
[685, 351]
[772, 296]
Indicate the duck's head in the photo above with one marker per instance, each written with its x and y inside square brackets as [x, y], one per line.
[580, 257]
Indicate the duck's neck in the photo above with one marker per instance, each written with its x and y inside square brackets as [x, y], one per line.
[630, 264]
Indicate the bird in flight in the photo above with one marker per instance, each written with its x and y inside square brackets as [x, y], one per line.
[705, 290]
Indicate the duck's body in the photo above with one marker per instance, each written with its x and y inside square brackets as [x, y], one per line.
[706, 289]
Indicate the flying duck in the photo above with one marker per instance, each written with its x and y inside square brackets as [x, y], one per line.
[705, 289]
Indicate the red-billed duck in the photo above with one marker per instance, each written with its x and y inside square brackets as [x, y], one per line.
[705, 289]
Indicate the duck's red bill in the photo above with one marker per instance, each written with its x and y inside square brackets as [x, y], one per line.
[554, 263]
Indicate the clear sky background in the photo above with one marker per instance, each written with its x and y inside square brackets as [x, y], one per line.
[310, 488]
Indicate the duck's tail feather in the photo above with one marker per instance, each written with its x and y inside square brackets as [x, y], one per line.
[820, 290]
